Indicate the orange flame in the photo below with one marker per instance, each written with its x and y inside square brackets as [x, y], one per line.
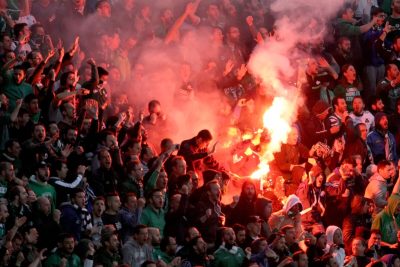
[277, 120]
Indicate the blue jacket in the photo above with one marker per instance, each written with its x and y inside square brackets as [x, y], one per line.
[70, 220]
[376, 142]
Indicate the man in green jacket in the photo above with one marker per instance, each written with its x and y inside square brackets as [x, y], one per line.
[154, 215]
[64, 254]
[14, 85]
[388, 220]
[229, 255]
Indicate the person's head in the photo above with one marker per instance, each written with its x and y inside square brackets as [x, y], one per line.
[12, 148]
[375, 239]
[66, 243]
[213, 191]
[68, 110]
[185, 180]
[240, 232]
[141, 234]
[18, 195]
[358, 246]
[61, 169]
[156, 199]
[31, 234]
[35, 58]
[362, 130]
[392, 71]
[385, 169]
[178, 165]
[146, 153]
[349, 73]
[108, 139]
[300, 258]
[154, 236]
[254, 226]
[110, 242]
[7, 171]
[44, 205]
[6, 42]
[259, 244]
[129, 200]
[312, 66]
[347, 168]
[154, 106]
[339, 104]
[395, 7]
[3, 213]
[344, 45]
[135, 169]
[166, 144]
[191, 233]
[43, 171]
[396, 43]
[78, 197]
[264, 208]
[213, 11]
[113, 202]
[233, 34]
[162, 180]
[32, 104]
[217, 35]
[78, 4]
[99, 206]
[105, 159]
[198, 245]
[290, 234]
[19, 74]
[248, 191]
[103, 8]
[381, 121]
[21, 29]
[377, 104]
[379, 14]
[347, 13]
[168, 245]
[321, 240]
[39, 133]
[228, 236]
[358, 105]
[203, 139]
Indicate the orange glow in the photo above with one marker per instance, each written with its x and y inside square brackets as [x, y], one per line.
[277, 121]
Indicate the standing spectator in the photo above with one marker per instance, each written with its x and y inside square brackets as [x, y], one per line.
[389, 88]
[154, 215]
[108, 255]
[382, 142]
[228, 254]
[64, 253]
[349, 85]
[377, 188]
[387, 220]
[361, 115]
[137, 250]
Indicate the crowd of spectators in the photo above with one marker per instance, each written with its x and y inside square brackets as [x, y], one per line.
[88, 179]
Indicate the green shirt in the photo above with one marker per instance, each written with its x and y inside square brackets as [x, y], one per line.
[54, 260]
[346, 28]
[43, 190]
[153, 218]
[15, 91]
[232, 258]
[160, 255]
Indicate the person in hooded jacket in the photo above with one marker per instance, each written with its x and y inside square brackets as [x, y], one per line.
[288, 215]
[335, 244]
[313, 197]
[388, 219]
